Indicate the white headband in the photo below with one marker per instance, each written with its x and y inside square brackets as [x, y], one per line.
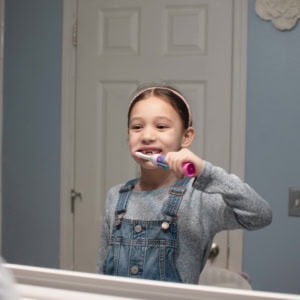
[167, 89]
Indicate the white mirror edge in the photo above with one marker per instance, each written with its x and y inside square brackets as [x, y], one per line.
[44, 283]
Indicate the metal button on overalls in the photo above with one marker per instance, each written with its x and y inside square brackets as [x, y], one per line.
[134, 270]
[165, 225]
[138, 228]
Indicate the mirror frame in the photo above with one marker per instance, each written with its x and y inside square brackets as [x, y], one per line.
[61, 284]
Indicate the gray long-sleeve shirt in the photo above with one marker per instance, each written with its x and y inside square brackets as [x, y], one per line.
[213, 202]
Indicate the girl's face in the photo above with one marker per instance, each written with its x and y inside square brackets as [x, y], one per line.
[154, 127]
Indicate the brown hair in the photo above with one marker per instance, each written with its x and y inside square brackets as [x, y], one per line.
[174, 97]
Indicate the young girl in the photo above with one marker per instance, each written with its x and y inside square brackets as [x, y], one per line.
[161, 225]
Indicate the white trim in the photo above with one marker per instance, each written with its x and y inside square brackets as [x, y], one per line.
[67, 134]
[238, 119]
[42, 283]
[2, 7]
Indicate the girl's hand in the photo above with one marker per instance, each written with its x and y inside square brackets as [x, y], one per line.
[175, 160]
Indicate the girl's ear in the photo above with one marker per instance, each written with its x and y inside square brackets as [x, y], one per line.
[188, 137]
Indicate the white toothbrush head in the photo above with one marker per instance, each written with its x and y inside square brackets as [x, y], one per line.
[145, 156]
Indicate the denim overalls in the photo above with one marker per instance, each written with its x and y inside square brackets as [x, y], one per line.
[145, 249]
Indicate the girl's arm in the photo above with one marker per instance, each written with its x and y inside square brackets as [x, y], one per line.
[230, 198]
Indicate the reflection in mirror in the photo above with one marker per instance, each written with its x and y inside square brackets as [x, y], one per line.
[36, 183]
[161, 224]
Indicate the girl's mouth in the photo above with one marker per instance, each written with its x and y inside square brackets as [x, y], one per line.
[149, 151]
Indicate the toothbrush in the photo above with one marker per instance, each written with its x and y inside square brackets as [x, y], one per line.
[159, 160]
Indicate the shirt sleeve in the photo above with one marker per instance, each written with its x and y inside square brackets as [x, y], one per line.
[231, 201]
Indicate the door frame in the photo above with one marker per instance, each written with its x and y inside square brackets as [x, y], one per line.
[67, 155]
[2, 11]
[238, 125]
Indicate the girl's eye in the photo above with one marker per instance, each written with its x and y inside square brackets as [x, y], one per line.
[135, 126]
[162, 126]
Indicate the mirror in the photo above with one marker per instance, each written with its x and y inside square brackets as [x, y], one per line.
[32, 130]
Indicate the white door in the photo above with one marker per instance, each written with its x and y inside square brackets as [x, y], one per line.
[122, 43]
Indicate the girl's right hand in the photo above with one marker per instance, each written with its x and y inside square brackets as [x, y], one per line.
[175, 160]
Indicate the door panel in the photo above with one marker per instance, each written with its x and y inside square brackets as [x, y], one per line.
[122, 43]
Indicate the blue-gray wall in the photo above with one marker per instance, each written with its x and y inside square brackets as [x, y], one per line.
[31, 136]
[31, 132]
[272, 255]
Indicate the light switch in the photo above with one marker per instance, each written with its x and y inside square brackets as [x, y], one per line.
[294, 202]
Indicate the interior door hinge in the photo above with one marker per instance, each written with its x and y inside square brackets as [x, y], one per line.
[74, 196]
[74, 34]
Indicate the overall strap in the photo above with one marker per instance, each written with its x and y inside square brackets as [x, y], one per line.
[124, 195]
[176, 193]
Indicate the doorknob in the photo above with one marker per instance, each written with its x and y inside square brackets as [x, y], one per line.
[214, 251]
[74, 196]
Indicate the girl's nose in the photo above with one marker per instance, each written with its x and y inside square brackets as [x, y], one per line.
[148, 135]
